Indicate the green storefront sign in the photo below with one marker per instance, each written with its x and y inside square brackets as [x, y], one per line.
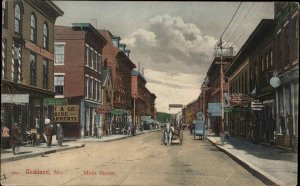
[55, 101]
[237, 109]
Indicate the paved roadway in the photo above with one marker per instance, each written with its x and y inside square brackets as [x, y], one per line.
[139, 160]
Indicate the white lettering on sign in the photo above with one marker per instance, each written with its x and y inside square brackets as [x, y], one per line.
[66, 113]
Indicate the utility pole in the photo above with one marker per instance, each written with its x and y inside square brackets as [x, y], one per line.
[221, 86]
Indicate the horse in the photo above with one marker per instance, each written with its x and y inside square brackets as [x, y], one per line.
[167, 135]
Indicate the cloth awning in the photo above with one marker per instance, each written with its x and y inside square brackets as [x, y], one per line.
[118, 112]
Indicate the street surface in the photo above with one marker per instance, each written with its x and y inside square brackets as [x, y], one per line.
[139, 160]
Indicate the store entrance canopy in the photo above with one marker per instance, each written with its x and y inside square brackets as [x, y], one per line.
[15, 98]
[118, 112]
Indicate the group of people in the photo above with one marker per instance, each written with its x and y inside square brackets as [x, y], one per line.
[13, 137]
[51, 130]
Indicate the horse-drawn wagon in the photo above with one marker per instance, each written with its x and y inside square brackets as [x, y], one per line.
[171, 135]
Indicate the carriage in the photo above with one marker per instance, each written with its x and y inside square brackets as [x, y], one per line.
[199, 129]
[172, 136]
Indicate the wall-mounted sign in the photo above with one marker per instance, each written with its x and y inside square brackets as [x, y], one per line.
[33, 47]
[14, 98]
[67, 113]
[275, 82]
[55, 101]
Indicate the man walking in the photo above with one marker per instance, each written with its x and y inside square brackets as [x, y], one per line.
[48, 132]
[15, 137]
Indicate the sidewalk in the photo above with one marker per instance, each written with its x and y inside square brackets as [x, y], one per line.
[113, 137]
[42, 149]
[273, 166]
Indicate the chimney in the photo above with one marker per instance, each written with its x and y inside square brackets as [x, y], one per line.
[139, 66]
[143, 71]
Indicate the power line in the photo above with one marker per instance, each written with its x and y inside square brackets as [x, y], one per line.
[231, 19]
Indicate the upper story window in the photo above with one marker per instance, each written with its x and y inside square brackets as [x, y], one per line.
[4, 14]
[45, 73]
[59, 84]
[17, 18]
[4, 58]
[33, 28]
[271, 58]
[267, 61]
[262, 64]
[59, 50]
[33, 69]
[45, 36]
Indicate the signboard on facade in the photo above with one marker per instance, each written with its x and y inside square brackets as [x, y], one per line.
[14, 98]
[55, 101]
[66, 113]
[215, 109]
[175, 105]
[134, 86]
[104, 110]
[39, 50]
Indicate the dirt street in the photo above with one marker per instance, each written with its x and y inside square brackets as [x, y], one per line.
[139, 160]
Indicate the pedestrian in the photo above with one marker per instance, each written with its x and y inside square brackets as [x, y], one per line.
[48, 132]
[5, 137]
[15, 137]
[59, 134]
[95, 131]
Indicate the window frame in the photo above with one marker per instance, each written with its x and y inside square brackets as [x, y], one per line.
[45, 73]
[56, 44]
[33, 29]
[17, 19]
[45, 36]
[33, 76]
[61, 93]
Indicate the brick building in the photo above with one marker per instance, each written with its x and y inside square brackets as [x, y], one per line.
[27, 62]
[117, 57]
[77, 77]
[286, 62]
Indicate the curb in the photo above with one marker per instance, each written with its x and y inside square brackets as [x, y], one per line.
[39, 154]
[249, 167]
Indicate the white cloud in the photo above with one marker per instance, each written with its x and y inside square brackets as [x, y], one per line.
[169, 43]
[172, 88]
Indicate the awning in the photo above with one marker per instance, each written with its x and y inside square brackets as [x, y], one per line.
[118, 112]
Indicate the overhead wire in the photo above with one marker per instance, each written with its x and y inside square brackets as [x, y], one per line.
[230, 20]
[235, 34]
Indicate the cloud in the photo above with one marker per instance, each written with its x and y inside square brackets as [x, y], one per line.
[172, 45]
[172, 88]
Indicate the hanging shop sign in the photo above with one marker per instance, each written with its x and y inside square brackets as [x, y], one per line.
[33, 47]
[66, 113]
[104, 110]
[55, 101]
[215, 109]
[15, 98]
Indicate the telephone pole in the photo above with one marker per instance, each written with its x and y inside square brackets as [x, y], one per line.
[221, 85]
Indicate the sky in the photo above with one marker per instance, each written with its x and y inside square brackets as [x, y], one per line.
[174, 41]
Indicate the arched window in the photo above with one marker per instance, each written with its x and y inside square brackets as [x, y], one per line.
[17, 18]
[33, 28]
[45, 35]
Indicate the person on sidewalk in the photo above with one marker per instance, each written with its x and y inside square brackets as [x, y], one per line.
[5, 137]
[48, 132]
[15, 137]
[59, 134]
